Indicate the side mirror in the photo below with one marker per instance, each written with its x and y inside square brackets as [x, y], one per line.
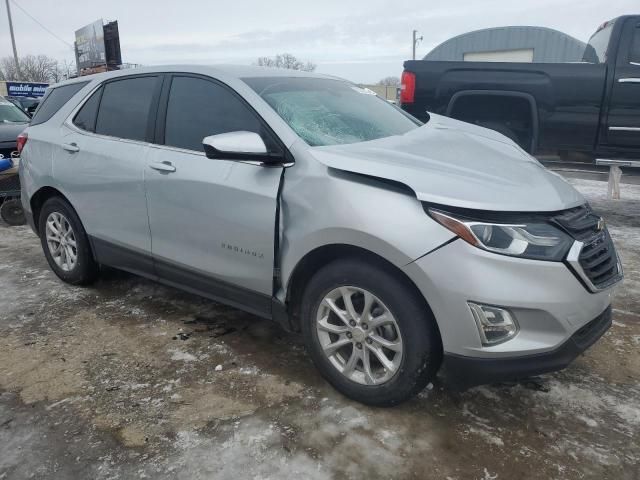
[239, 145]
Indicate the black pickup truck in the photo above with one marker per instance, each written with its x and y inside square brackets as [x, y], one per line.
[591, 106]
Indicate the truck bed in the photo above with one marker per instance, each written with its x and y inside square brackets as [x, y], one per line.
[566, 96]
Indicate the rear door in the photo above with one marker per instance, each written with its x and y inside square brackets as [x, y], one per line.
[212, 221]
[624, 105]
[102, 164]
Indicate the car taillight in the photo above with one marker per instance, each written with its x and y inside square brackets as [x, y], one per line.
[407, 87]
[21, 141]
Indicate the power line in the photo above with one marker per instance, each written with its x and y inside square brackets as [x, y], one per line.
[41, 25]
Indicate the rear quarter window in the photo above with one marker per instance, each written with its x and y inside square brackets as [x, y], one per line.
[86, 116]
[54, 100]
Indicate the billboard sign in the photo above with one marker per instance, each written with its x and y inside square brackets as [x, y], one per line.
[90, 51]
[26, 89]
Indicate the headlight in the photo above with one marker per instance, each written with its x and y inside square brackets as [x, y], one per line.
[538, 241]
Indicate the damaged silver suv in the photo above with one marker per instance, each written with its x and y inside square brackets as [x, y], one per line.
[398, 249]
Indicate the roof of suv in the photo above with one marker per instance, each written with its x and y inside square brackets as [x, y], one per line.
[235, 71]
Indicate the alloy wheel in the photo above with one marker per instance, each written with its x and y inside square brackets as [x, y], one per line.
[359, 335]
[61, 241]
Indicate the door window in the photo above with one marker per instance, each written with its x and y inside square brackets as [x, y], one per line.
[124, 108]
[198, 108]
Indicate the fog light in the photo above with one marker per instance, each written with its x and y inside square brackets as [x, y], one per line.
[495, 324]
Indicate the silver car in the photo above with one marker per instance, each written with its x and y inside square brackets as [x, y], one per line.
[398, 249]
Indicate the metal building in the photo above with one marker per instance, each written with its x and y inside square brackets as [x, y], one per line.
[511, 44]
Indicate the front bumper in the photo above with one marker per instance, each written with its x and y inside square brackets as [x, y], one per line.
[555, 312]
[547, 300]
[463, 372]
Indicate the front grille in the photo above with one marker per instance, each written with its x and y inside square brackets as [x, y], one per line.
[597, 259]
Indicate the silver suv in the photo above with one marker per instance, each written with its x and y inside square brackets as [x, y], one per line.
[397, 248]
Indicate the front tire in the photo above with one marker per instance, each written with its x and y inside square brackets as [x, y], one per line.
[369, 332]
[65, 243]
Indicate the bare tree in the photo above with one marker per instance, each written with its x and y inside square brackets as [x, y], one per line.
[8, 69]
[64, 70]
[38, 68]
[389, 82]
[35, 68]
[286, 60]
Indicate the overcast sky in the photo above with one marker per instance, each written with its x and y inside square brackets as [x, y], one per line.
[363, 41]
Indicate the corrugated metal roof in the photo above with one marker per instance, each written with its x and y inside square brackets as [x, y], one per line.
[548, 45]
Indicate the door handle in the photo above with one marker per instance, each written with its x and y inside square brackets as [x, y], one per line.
[71, 147]
[629, 80]
[163, 167]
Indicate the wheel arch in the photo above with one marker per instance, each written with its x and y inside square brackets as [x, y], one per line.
[325, 254]
[38, 199]
[504, 94]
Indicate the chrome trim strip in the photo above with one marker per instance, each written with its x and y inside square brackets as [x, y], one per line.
[629, 80]
[620, 163]
[625, 129]
[573, 261]
[635, 63]
[176, 149]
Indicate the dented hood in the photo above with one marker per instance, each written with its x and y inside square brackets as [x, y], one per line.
[454, 163]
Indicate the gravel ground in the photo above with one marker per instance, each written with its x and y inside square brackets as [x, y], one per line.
[129, 379]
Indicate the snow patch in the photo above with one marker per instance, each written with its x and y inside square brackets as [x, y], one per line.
[181, 356]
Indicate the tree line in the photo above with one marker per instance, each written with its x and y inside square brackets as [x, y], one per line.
[36, 68]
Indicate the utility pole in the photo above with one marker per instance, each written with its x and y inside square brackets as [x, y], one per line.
[13, 42]
[414, 43]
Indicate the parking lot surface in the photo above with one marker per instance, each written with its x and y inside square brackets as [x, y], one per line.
[129, 379]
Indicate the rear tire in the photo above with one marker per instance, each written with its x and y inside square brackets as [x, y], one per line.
[65, 243]
[413, 334]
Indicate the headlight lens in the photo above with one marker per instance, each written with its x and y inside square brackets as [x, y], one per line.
[538, 241]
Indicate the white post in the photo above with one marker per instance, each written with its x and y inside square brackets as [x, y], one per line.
[613, 190]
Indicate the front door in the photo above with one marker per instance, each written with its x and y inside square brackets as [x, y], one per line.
[212, 221]
[624, 105]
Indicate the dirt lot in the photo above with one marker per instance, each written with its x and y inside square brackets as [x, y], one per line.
[129, 379]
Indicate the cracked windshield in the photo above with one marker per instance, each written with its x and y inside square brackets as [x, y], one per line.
[331, 112]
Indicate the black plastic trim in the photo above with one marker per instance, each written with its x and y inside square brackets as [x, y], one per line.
[497, 216]
[204, 285]
[181, 277]
[124, 258]
[280, 315]
[462, 372]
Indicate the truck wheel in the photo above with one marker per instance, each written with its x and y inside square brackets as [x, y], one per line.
[368, 333]
[11, 212]
[65, 243]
